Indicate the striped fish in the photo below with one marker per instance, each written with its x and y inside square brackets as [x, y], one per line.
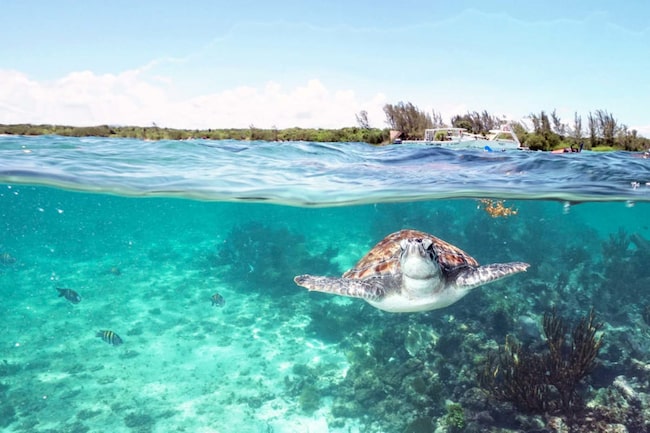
[110, 337]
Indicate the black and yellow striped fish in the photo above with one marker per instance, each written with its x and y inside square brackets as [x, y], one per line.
[110, 337]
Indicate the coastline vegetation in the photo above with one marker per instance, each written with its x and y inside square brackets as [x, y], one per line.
[601, 131]
[350, 134]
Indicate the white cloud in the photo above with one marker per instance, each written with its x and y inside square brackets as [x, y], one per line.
[84, 98]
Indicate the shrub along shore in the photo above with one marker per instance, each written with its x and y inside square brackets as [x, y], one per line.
[352, 134]
[541, 138]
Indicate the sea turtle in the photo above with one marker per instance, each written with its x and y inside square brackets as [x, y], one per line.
[410, 271]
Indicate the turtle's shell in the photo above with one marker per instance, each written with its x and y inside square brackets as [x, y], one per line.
[383, 258]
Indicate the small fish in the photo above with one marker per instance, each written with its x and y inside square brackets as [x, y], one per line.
[110, 337]
[217, 300]
[115, 271]
[70, 295]
[7, 259]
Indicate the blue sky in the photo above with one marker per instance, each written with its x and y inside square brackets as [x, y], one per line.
[203, 64]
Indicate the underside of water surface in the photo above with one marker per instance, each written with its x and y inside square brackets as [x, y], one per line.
[269, 356]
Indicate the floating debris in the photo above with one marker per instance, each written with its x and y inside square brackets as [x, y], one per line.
[110, 337]
[496, 209]
[70, 295]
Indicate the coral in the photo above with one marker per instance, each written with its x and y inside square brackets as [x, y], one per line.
[307, 385]
[616, 246]
[139, 421]
[7, 414]
[623, 256]
[330, 322]
[266, 258]
[575, 255]
[76, 427]
[646, 314]
[546, 381]
[7, 369]
[455, 418]
[387, 387]
[501, 319]
[420, 425]
[85, 414]
[309, 399]
[616, 262]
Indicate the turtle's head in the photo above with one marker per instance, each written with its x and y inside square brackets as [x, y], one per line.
[418, 259]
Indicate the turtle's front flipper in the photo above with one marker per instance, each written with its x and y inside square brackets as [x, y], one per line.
[341, 286]
[473, 277]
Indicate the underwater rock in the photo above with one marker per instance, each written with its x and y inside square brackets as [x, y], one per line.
[7, 414]
[420, 425]
[419, 338]
[528, 328]
[485, 410]
[139, 421]
[645, 314]
[625, 388]
[621, 407]
[640, 242]
[309, 399]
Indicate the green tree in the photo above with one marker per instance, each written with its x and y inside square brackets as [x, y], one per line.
[408, 119]
[592, 123]
[362, 119]
[608, 126]
[558, 127]
[536, 142]
[475, 122]
[437, 120]
[576, 132]
[543, 137]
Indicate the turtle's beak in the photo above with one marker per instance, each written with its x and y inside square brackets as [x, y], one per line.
[415, 260]
[415, 246]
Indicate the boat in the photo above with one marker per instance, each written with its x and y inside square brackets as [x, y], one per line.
[500, 139]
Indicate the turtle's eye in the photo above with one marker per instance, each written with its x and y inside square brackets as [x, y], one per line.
[431, 253]
[428, 248]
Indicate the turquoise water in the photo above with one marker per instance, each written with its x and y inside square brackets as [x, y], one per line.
[147, 232]
[317, 174]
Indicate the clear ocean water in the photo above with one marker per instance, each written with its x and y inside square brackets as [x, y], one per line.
[147, 232]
